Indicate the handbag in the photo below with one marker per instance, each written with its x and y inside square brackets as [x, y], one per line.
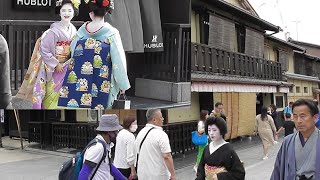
[199, 139]
[121, 104]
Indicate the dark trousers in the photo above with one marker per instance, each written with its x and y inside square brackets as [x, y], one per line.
[125, 172]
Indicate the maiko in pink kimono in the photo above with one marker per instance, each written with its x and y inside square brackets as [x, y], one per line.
[46, 70]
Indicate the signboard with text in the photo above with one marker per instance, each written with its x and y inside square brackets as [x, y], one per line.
[33, 4]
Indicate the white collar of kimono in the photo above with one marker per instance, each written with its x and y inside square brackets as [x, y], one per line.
[69, 34]
[213, 146]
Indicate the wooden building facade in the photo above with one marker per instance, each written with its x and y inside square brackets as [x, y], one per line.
[228, 63]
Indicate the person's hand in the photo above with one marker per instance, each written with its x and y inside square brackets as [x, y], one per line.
[215, 177]
[254, 133]
[122, 91]
[59, 68]
[172, 177]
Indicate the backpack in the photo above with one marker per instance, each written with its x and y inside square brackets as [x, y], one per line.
[70, 169]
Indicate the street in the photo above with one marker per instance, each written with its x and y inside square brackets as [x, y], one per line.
[34, 164]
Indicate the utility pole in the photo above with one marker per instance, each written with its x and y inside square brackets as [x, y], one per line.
[297, 22]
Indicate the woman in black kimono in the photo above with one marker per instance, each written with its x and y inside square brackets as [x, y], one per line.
[219, 161]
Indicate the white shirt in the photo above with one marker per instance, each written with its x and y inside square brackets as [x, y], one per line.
[94, 154]
[125, 150]
[151, 164]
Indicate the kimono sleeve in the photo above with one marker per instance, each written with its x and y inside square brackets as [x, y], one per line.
[236, 172]
[200, 171]
[47, 49]
[278, 166]
[119, 62]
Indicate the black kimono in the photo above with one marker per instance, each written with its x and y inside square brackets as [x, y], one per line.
[224, 156]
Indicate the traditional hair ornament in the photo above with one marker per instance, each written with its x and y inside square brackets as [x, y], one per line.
[76, 3]
[105, 3]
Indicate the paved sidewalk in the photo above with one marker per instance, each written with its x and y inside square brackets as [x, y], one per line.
[33, 164]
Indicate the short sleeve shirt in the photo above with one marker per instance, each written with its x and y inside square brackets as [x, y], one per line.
[151, 164]
[94, 154]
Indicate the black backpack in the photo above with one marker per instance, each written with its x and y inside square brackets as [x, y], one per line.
[70, 169]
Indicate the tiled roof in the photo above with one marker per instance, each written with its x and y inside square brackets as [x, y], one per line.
[235, 79]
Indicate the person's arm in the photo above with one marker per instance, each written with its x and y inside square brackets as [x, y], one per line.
[256, 127]
[165, 149]
[279, 130]
[86, 170]
[48, 49]
[130, 158]
[273, 126]
[117, 175]
[92, 157]
[119, 62]
[169, 163]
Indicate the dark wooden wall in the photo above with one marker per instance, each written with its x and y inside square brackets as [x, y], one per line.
[306, 66]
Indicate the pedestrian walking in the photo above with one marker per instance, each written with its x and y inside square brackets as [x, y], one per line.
[125, 153]
[266, 129]
[275, 116]
[287, 109]
[106, 132]
[299, 155]
[46, 71]
[153, 147]
[204, 114]
[288, 126]
[219, 161]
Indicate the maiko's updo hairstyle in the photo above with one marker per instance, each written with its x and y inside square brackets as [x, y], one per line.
[219, 122]
[100, 7]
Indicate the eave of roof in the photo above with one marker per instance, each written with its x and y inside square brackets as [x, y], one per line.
[303, 43]
[237, 11]
[295, 47]
[307, 55]
[302, 77]
[195, 76]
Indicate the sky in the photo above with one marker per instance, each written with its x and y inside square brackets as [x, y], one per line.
[300, 18]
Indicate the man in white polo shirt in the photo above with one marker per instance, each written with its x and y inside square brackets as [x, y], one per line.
[155, 161]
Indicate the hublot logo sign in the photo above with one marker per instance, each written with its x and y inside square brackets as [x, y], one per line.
[154, 43]
[23, 4]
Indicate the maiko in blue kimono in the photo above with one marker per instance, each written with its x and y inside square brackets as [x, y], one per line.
[97, 70]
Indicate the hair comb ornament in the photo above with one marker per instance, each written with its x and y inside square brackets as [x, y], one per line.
[76, 3]
[105, 3]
